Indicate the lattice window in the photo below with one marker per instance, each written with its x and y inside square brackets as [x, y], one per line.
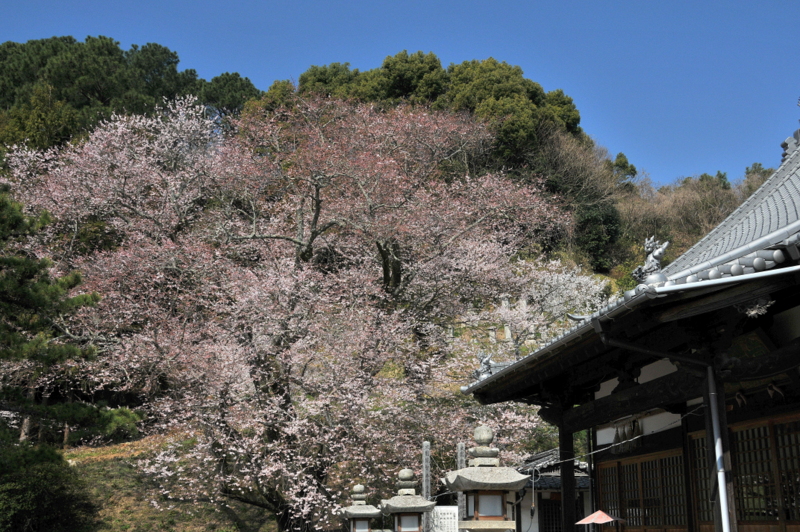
[609, 490]
[631, 498]
[787, 439]
[652, 491]
[550, 513]
[549, 516]
[700, 472]
[756, 495]
[673, 490]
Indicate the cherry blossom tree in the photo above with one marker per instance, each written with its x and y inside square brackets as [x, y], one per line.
[285, 293]
[535, 309]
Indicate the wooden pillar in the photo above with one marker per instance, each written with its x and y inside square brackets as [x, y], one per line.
[568, 495]
[688, 489]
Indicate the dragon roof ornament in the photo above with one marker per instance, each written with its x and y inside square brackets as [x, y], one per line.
[650, 272]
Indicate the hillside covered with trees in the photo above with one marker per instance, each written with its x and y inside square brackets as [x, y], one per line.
[292, 284]
[53, 90]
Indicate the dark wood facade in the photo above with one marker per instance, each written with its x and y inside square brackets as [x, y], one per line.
[711, 343]
[667, 483]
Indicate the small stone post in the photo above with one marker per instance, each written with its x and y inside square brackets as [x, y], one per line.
[426, 481]
[406, 508]
[491, 490]
[461, 463]
[360, 513]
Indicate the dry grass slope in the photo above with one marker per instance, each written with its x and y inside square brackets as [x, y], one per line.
[125, 498]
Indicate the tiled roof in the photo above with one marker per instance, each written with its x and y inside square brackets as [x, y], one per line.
[543, 459]
[759, 222]
[553, 483]
[730, 253]
[544, 468]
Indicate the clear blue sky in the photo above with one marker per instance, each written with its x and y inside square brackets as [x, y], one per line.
[681, 87]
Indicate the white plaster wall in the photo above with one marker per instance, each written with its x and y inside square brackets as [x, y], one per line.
[648, 373]
[651, 424]
[528, 524]
[656, 369]
[786, 326]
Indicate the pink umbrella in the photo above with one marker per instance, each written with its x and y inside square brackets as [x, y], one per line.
[599, 518]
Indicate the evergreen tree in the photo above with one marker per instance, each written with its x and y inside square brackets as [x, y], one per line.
[38, 489]
[30, 299]
[54, 89]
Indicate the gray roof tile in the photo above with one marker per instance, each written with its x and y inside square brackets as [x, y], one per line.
[772, 207]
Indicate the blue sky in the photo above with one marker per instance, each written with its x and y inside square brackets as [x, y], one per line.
[681, 87]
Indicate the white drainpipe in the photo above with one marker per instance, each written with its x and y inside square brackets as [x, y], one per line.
[723, 492]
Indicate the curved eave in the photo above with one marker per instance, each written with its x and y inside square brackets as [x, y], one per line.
[407, 503]
[365, 511]
[585, 331]
[486, 478]
[585, 341]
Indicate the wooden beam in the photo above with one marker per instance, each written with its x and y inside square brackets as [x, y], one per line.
[735, 295]
[676, 387]
[779, 361]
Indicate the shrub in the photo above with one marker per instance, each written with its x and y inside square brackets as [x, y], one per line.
[39, 491]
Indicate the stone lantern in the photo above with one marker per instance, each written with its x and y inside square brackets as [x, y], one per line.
[407, 507]
[360, 513]
[491, 491]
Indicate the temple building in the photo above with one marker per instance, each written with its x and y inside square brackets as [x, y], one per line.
[688, 385]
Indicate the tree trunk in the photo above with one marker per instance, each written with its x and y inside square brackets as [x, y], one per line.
[41, 428]
[27, 421]
[65, 442]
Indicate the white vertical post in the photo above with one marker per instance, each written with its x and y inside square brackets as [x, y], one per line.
[426, 482]
[723, 491]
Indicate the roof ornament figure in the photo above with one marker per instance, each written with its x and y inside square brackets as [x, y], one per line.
[486, 368]
[650, 273]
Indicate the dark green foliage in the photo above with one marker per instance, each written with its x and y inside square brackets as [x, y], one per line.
[279, 94]
[564, 109]
[119, 424]
[20, 65]
[93, 235]
[153, 75]
[719, 180]
[598, 229]
[39, 491]
[29, 298]
[624, 172]
[41, 122]
[518, 110]
[334, 80]
[473, 82]
[89, 76]
[54, 89]
[228, 92]
[516, 122]
[754, 177]
[417, 77]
